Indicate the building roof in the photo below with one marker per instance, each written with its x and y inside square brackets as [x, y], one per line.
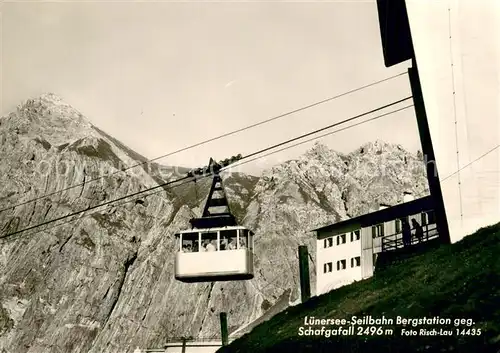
[373, 218]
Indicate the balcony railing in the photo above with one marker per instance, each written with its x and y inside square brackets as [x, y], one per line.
[395, 241]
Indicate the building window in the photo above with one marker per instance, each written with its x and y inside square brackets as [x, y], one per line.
[431, 217]
[327, 267]
[378, 230]
[356, 235]
[341, 265]
[424, 219]
[328, 242]
[341, 239]
[397, 223]
[356, 261]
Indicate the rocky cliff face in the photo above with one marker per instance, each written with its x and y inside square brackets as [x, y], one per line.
[103, 281]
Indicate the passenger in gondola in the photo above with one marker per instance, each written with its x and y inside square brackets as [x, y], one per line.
[419, 232]
[232, 244]
[211, 246]
[224, 243]
[204, 245]
[242, 243]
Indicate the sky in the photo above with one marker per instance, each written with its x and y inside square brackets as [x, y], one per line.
[161, 76]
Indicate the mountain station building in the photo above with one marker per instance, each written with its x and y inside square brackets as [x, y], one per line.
[347, 251]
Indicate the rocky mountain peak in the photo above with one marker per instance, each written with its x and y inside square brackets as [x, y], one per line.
[318, 150]
[323, 154]
[49, 117]
[379, 147]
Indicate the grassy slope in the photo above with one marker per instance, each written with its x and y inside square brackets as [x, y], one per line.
[454, 281]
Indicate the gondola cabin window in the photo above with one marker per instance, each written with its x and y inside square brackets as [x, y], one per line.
[217, 240]
[209, 241]
[244, 241]
[229, 239]
[189, 242]
[250, 240]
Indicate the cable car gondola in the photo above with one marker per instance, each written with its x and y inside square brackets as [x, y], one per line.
[216, 248]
